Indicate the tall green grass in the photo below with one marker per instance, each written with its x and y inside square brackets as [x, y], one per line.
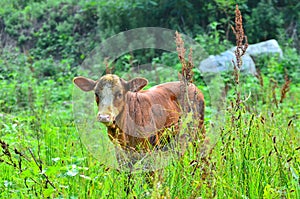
[257, 156]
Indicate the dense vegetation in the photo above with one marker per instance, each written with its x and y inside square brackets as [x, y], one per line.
[42, 45]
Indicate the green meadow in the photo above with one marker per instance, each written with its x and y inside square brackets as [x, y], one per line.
[253, 149]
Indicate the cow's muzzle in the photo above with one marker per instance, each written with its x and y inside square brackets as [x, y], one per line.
[106, 119]
[103, 118]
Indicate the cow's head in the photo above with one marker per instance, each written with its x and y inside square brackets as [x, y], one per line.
[110, 93]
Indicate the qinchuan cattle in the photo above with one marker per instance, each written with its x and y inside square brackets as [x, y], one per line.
[137, 118]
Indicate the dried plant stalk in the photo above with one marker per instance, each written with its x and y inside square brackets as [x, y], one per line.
[187, 67]
[275, 85]
[285, 88]
[180, 49]
[189, 70]
[241, 48]
[239, 37]
[260, 78]
[108, 69]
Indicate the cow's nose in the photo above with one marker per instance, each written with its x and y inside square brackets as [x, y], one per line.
[103, 118]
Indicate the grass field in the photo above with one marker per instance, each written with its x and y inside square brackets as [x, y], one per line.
[253, 149]
[256, 155]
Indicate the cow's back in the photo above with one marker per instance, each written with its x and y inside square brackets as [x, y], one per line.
[189, 98]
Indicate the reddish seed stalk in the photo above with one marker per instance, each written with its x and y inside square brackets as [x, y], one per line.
[187, 67]
[285, 88]
[241, 47]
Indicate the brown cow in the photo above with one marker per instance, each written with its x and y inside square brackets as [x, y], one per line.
[137, 118]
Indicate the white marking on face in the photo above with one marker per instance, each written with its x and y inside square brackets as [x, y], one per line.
[107, 96]
[106, 104]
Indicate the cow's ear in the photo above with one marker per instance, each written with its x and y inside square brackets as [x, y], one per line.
[136, 84]
[84, 83]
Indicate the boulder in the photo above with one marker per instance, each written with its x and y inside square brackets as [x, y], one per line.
[266, 48]
[223, 61]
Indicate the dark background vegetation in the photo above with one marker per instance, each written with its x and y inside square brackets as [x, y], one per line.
[66, 29]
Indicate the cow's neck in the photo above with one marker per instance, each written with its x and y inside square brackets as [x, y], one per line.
[121, 119]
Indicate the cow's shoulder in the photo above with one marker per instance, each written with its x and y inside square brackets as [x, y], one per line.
[165, 88]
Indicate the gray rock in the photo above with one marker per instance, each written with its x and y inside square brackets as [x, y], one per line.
[270, 47]
[223, 62]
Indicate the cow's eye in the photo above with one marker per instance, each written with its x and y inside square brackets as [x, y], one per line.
[97, 98]
[119, 95]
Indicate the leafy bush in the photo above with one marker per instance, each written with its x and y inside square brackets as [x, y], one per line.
[27, 84]
[70, 29]
[61, 30]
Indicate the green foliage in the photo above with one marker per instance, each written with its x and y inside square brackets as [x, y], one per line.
[271, 19]
[265, 21]
[26, 85]
[276, 68]
[60, 30]
[256, 154]
[212, 42]
[67, 29]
